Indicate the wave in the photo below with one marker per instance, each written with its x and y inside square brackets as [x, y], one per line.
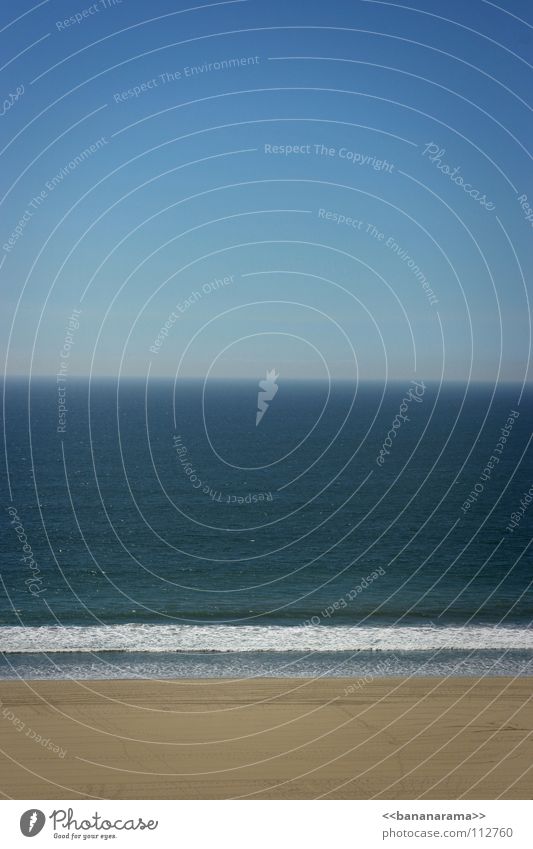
[260, 638]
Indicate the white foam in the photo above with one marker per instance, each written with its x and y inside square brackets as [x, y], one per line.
[250, 638]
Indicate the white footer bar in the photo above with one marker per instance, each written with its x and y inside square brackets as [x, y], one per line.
[267, 824]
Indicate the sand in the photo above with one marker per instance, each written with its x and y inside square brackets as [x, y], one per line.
[431, 738]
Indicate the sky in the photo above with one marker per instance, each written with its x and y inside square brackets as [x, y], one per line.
[333, 190]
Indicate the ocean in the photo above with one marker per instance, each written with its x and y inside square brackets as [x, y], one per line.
[156, 529]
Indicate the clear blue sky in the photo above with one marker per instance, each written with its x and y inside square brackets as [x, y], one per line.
[186, 187]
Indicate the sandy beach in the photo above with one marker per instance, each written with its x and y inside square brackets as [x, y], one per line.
[267, 739]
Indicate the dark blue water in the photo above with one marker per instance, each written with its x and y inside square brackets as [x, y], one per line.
[167, 505]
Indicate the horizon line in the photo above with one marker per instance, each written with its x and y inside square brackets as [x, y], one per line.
[293, 379]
